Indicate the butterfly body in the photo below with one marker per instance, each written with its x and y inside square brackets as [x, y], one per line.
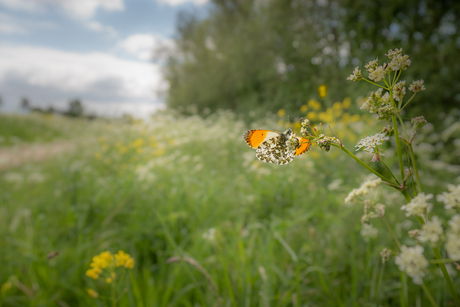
[276, 147]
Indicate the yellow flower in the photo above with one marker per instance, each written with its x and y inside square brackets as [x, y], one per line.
[121, 257]
[138, 150]
[152, 139]
[346, 103]
[304, 108]
[98, 155]
[311, 115]
[101, 139]
[92, 293]
[129, 264]
[108, 280]
[94, 272]
[354, 118]
[280, 123]
[322, 90]
[314, 104]
[171, 142]
[160, 152]
[122, 149]
[5, 287]
[137, 143]
[337, 106]
[281, 112]
[102, 260]
[105, 147]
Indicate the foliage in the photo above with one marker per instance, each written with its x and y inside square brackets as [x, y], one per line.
[246, 55]
[248, 232]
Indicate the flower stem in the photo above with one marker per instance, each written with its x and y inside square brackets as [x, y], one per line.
[428, 294]
[398, 142]
[362, 163]
[374, 83]
[414, 165]
[391, 232]
[450, 285]
[390, 171]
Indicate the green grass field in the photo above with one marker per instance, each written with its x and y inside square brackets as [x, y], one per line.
[249, 233]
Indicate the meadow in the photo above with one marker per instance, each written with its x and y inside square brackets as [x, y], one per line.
[203, 221]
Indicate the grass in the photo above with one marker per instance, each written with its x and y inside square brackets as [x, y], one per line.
[250, 234]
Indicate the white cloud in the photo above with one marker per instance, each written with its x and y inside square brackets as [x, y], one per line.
[179, 2]
[83, 9]
[59, 75]
[12, 25]
[98, 27]
[143, 45]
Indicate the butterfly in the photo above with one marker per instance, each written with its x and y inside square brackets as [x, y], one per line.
[276, 147]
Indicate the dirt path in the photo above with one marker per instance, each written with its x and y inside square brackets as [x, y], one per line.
[18, 155]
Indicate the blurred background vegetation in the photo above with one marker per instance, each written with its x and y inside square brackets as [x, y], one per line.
[247, 55]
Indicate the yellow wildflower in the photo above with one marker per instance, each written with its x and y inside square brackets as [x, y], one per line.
[121, 257]
[139, 150]
[314, 104]
[281, 112]
[105, 147]
[355, 118]
[92, 293]
[337, 105]
[346, 102]
[101, 139]
[5, 287]
[322, 90]
[108, 280]
[102, 260]
[280, 123]
[304, 108]
[160, 152]
[171, 142]
[98, 155]
[311, 115]
[94, 272]
[129, 264]
[122, 149]
[137, 143]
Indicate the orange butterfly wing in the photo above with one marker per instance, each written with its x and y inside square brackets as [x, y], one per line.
[256, 137]
[305, 146]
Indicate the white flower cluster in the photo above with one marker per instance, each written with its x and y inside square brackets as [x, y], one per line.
[398, 61]
[418, 205]
[363, 189]
[431, 230]
[369, 143]
[399, 90]
[412, 261]
[453, 238]
[368, 232]
[356, 75]
[417, 86]
[450, 199]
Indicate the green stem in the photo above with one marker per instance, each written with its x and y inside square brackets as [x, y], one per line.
[391, 231]
[428, 294]
[398, 141]
[390, 171]
[177, 250]
[375, 83]
[406, 102]
[362, 163]
[442, 261]
[450, 285]
[414, 165]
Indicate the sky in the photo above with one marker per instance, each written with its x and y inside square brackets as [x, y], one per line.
[98, 51]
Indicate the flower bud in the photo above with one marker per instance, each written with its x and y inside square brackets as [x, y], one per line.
[418, 122]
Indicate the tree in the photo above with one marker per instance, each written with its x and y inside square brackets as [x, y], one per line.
[75, 108]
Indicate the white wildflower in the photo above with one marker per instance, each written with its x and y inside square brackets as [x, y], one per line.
[368, 232]
[454, 224]
[399, 90]
[418, 205]
[450, 199]
[417, 86]
[379, 210]
[372, 65]
[372, 183]
[210, 234]
[412, 261]
[369, 142]
[392, 53]
[355, 193]
[356, 75]
[453, 246]
[378, 74]
[398, 61]
[431, 231]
